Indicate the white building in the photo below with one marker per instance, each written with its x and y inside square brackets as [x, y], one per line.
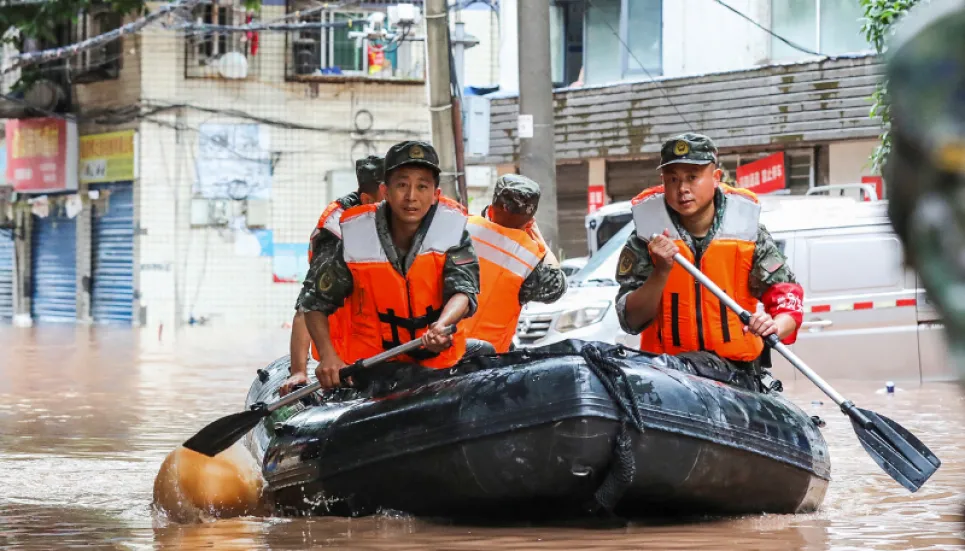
[632, 73]
[235, 142]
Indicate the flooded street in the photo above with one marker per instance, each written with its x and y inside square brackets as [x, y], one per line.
[87, 416]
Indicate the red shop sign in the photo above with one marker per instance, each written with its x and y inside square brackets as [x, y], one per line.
[42, 155]
[763, 175]
[595, 198]
[877, 182]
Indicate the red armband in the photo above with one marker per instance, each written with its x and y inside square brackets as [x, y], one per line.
[785, 298]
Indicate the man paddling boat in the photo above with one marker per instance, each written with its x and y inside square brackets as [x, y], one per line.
[717, 228]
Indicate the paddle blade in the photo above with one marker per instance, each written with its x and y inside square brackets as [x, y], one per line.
[898, 452]
[219, 435]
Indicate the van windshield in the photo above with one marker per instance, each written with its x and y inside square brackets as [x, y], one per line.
[609, 227]
[601, 268]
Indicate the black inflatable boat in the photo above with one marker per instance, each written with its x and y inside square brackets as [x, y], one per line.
[560, 431]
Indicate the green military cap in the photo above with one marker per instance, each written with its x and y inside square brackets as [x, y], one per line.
[689, 148]
[517, 194]
[412, 153]
[369, 170]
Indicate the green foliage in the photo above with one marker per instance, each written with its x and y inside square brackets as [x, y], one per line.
[880, 17]
[40, 19]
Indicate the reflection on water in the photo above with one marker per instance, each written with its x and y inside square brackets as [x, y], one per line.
[87, 416]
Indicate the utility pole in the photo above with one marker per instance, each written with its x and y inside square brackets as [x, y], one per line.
[440, 97]
[537, 155]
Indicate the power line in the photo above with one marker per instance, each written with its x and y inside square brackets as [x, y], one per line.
[52, 54]
[31, 58]
[769, 31]
[205, 28]
[147, 110]
[650, 76]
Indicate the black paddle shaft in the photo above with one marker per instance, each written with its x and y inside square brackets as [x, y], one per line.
[222, 433]
[898, 452]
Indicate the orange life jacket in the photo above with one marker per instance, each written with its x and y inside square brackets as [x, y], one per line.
[387, 308]
[340, 320]
[327, 221]
[506, 258]
[689, 317]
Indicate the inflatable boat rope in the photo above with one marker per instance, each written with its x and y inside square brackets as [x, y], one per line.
[621, 471]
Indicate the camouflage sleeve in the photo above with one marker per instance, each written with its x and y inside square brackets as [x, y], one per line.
[633, 269]
[322, 242]
[545, 284]
[770, 265]
[461, 273]
[328, 282]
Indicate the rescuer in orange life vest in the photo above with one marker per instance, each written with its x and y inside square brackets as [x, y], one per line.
[716, 227]
[322, 242]
[515, 265]
[405, 269]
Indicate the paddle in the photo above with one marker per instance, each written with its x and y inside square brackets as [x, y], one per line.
[898, 452]
[220, 434]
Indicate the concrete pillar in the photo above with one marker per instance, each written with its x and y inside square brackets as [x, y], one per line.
[597, 176]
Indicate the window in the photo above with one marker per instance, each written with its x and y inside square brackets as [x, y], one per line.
[642, 31]
[826, 26]
[104, 61]
[331, 51]
[557, 43]
[611, 226]
[95, 64]
[612, 23]
[206, 51]
[856, 264]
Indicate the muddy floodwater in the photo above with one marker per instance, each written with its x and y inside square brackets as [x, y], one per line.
[87, 415]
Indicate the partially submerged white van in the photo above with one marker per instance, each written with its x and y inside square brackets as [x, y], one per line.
[866, 316]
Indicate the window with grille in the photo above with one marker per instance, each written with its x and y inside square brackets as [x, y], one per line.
[101, 62]
[206, 50]
[330, 51]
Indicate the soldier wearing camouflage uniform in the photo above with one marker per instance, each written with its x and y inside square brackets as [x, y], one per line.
[411, 182]
[516, 266]
[695, 214]
[322, 242]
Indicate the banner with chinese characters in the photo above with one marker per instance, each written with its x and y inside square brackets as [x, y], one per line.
[107, 157]
[42, 155]
[595, 198]
[763, 175]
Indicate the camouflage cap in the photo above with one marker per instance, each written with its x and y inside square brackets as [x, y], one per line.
[689, 148]
[517, 194]
[369, 170]
[412, 153]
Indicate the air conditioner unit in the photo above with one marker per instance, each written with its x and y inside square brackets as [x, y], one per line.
[305, 55]
[403, 15]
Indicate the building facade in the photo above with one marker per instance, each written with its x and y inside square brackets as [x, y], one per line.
[204, 159]
[633, 73]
